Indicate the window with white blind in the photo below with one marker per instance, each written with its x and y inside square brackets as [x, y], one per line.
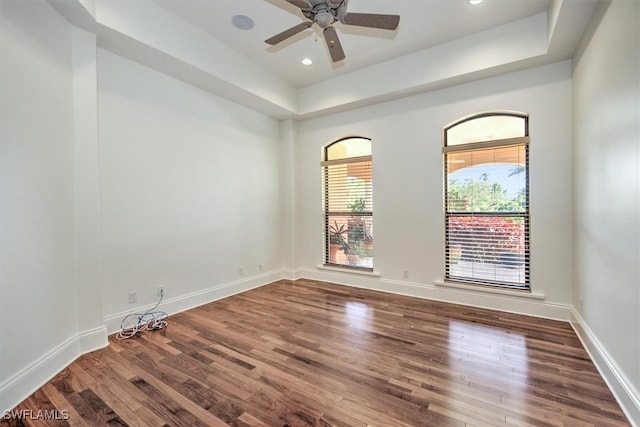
[486, 162]
[348, 204]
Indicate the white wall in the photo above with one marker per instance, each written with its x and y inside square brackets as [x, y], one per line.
[407, 163]
[37, 287]
[607, 189]
[190, 189]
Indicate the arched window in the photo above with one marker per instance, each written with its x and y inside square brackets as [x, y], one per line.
[486, 163]
[348, 203]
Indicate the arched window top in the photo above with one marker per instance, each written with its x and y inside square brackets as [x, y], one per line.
[347, 148]
[486, 127]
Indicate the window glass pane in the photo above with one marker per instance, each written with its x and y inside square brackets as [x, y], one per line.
[487, 180]
[351, 241]
[489, 128]
[352, 147]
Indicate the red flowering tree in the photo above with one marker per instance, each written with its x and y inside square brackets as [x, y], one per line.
[487, 238]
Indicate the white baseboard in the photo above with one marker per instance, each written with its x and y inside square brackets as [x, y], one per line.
[205, 296]
[627, 396]
[93, 339]
[519, 304]
[20, 385]
[290, 274]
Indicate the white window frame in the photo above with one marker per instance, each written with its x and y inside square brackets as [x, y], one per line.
[450, 249]
[361, 216]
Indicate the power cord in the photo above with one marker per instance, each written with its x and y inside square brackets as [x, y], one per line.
[137, 322]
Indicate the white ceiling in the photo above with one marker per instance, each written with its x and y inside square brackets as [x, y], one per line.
[437, 44]
[423, 24]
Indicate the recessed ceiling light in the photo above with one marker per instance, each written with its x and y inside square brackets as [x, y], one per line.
[307, 61]
[475, 1]
[242, 22]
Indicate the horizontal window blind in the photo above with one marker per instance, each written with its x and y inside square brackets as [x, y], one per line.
[349, 188]
[488, 249]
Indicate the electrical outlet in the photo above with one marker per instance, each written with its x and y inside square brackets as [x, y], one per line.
[133, 297]
[259, 267]
[161, 291]
[581, 304]
[241, 271]
[405, 274]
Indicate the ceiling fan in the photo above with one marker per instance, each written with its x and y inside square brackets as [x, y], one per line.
[325, 13]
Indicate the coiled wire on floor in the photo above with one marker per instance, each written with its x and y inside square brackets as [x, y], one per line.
[151, 320]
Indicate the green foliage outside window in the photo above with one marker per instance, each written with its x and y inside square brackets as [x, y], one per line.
[484, 195]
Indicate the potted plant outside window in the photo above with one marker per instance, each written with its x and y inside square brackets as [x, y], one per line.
[337, 240]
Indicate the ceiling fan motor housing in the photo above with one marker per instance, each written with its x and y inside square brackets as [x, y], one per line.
[325, 12]
[334, 3]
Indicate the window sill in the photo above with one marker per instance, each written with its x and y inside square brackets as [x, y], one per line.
[349, 270]
[488, 289]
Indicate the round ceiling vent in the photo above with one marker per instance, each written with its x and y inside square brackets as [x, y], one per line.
[242, 22]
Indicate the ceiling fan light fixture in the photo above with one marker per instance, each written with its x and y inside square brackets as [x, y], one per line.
[307, 61]
[324, 18]
[475, 2]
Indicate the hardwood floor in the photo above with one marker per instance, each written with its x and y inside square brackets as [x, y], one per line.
[307, 353]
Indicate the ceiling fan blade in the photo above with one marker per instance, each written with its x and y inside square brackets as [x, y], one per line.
[288, 33]
[371, 20]
[300, 3]
[334, 45]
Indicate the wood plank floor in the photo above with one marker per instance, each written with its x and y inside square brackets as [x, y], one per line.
[307, 353]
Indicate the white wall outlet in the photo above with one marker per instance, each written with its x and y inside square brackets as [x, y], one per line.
[260, 267]
[161, 291]
[241, 271]
[133, 297]
[405, 274]
[581, 304]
